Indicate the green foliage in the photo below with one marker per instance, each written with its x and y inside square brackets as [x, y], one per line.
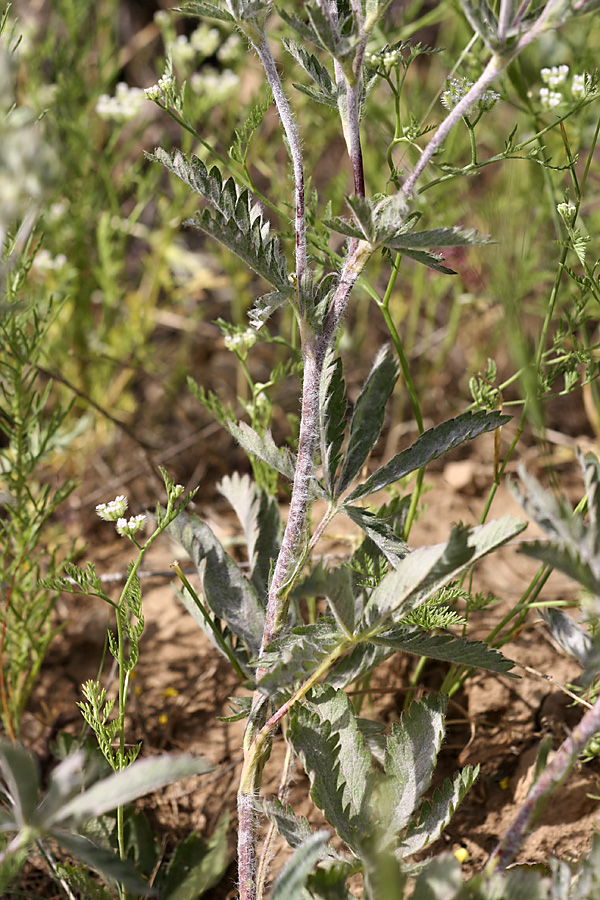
[33, 430]
[71, 800]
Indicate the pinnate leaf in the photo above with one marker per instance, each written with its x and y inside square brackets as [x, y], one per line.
[291, 881]
[295, 830]
[264, 447]
[326, 90]
[393, 548]
[203, 9]
[297, 654]
[332, 419]
[259, 516]
[236, 219]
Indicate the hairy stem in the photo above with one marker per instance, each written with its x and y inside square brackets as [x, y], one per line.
[293, 140]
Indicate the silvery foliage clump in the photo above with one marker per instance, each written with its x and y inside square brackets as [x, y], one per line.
[370, 786]
[76, 795]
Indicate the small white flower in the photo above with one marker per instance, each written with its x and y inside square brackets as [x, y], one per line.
[205, 40]
[181, 51]
[126, 103]
[230, 50]
[241, 340]
[567, 212]
[153, 92]
[166, 83]
[44, 262]
[457, 88]
[549, 99]
[213, 84]
[127, 528]
[114, 510]
[176, 491]
[554, 75]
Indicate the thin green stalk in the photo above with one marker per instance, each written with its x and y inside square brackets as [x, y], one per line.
[384, 304]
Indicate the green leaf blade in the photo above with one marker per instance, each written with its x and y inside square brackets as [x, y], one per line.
[436, 814]
[429, 446]
[367, 418]
[424, 571]
[230, 595]
[410, 759]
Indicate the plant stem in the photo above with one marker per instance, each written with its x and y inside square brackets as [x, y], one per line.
[551, 778]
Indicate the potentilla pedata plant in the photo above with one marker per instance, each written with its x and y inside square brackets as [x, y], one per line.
[388, 598]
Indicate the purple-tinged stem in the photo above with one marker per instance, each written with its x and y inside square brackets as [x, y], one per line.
[293, 140]
[246, 848]
[551, 778]
[496, 65]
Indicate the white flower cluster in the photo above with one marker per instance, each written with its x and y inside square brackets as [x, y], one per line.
[28, 164]
[125, 105]
[555, 77]
[215, 85]
[241, 341]
[457, 88]
[45, 262]
[567, 212]
[128, 527]
[115, 512]
[163, 88]
[387, 58]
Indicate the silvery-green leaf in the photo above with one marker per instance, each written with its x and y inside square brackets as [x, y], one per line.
[445, 647]
[358, 663]
[431, 260]
[264, 447]
[367, 417]
[295, 830]
[265, 306]
[429, 446]
[427, 569]
[332, 419]
[345, 227]
[231, 596]
[410, 758]
[568, 634]
[326, 90]
[124, 787]
[437, 813]
[297, 654]
[337, 586]
[326, 736]
[21, 777]
[438, 237]
[259, 516]
[291, 881]
[393, 548]
[209, 10]
[197, 864]
[236, 218]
